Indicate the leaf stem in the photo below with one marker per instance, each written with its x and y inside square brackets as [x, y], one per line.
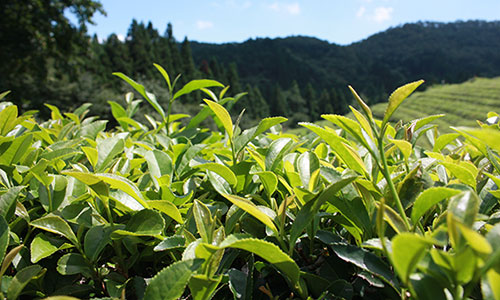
[387, 176]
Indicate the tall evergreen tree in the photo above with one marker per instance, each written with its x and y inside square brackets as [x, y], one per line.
[278, 105]
[312, 102]
[188, 68]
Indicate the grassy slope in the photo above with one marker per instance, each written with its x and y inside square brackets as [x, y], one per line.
[462, 104]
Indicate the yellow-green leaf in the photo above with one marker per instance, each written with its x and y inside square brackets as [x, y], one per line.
[223, 116]
[397, 97]
[252, 209]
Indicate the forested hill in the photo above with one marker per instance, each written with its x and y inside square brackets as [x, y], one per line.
[436, 52]
[297, 77]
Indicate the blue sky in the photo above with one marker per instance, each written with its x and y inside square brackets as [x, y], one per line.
[337, 21]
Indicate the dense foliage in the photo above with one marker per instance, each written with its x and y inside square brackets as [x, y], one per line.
[46, 59]
[162, 210]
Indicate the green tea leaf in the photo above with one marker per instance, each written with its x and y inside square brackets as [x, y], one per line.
[248, 135]
[8, 118]
[366, 261]
[264, 249]
[405, 258]
[107, 150]
[22, 278]
[57, 225]
[164, 74]
[462, 173]
[146, 222]
[311, 208]
[223, 116]
[476, 241]
[269, 181]
[493, 278]
[170, 282]
[464, 206]
[13, 152]
[203, 287]
[95, 241]
[307, 164]
[159, 164]
[221, 170]
[4, 237]
[73, 263]
[8, 201]
[123, 184]
[444, 140]
[42, 247]
[252, 209]
[428, 199]
[397, 97]
[276, 151]
[140, 88]
[196, 85]
[338, 144]
[171, 242]
[403, 146]
[168, 208]
[203, 220]
[366, 108]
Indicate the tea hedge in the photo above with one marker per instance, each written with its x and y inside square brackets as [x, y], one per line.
[168, 209]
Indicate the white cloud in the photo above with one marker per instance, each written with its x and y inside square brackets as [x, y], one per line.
[121, 37]
[291, 9]
[201, 25]
[361, 11]
[382, 14]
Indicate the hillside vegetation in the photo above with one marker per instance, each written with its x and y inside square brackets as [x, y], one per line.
[462, 104]
[296, 77]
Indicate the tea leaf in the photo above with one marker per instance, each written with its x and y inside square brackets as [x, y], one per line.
[57, 225]
[42, 247]
[429, 198]
[269, 181]
[170, 282]
[96, 240]
[202, 287]
[168, 208]
[171, 242]
[73, 263]
[397, 97]
[22, 278]
[141, 90]
[223, 116]
[310, 209]
[221, 170]
[276, 151]
[405, 258]
[4, 237]
[196, 85]
[252, 209]
[307, 164]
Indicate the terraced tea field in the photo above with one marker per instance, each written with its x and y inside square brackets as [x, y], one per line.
[462, 104]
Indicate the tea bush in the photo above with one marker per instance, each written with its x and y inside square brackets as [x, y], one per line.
[165, 210]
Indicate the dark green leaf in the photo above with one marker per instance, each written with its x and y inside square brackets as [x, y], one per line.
[170, 282]
[73, 263]
[56, 224]
[22, 278]
[308, 211]
[4, 237]
[171, 242]
[95, 240]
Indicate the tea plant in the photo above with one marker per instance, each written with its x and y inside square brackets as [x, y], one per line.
[165, 210]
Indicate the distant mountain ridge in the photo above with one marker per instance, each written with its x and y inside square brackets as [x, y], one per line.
[435, 52]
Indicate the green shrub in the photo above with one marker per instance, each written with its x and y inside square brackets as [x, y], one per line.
[168, 209]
